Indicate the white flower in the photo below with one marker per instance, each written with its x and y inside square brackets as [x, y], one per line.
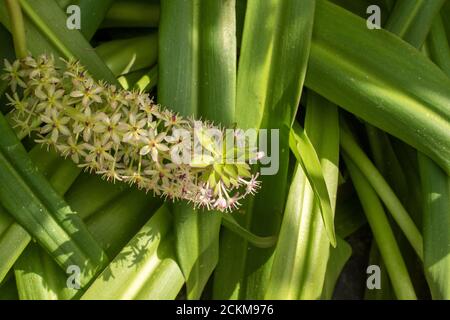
[55, 124]
[86, 125]
[180, 151]
[72, 149]
[108, 127]
[134, 128]
[89, 93]
[99, 152]
[14, 74]
[153, 144]
[21, 105]
[51, 97]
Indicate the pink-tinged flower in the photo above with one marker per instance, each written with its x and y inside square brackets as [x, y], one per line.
[233, 202]
[221, 204]
[252, 185]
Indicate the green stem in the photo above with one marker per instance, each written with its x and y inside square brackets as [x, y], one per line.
[17, 28]
[260, 242]
[382, 232]
[384, 191]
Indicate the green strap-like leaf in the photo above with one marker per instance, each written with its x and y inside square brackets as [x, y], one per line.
[61, 173]
[197, 77]
[336, 262]
[132, 13]
[92, 12]
[303, 248]
[112, 226]
[47, 33]
[127, 55]
[272, 64]
[307, 157]
[412, 20]
[413, 105]
[31, 200]
[131, 275]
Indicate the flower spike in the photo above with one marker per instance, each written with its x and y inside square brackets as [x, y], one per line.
[125, 136]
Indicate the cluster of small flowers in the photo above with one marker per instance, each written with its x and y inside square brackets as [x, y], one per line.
[122, 135]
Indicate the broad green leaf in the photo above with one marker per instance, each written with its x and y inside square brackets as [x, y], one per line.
[127, 55]
[438, 45]
[412, 20]
[134, 13]
[197, 77]
[143, 80]
[445, 12]
[89, 194]
[300, 262]
[112, 226]
[93, 13]
[35, 265]
[133, 272]
[436, 228]
[36, 206]
[382, 232]
[62, 172]
[272, 67]
[47, 33]
[360, 7]
[436, 192]
[5, 221]
[336, 262]
[116, 223]
[413, 105]
[13, 242]
[307, 157]
[349, 216]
